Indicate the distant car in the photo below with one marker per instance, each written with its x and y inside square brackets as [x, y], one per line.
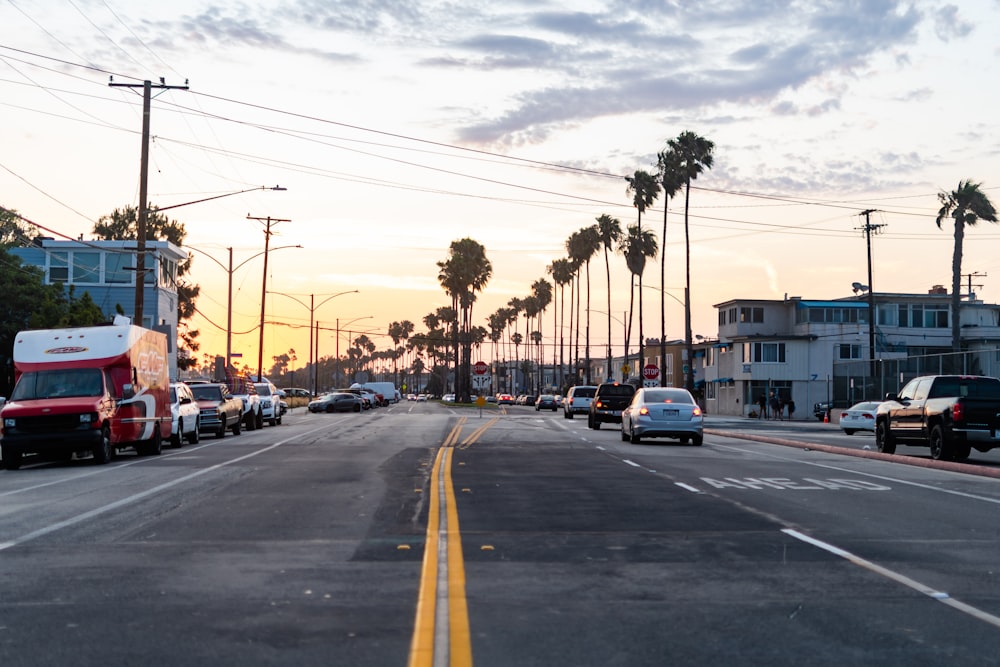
[421, 398]
[663, 412]
[505, 399]
[577, 401]
[411, 397]
[185, 415]
[859, 417]
[337, 401]
[546, 402]
[297, 392]
[529, 399]
[448, 398]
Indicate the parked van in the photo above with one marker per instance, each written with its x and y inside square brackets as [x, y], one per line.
[388, 390]
[87, 390]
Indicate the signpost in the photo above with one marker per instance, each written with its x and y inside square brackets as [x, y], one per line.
[650, 375]
[480, 368]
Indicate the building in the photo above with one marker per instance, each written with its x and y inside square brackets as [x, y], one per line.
[106, 271]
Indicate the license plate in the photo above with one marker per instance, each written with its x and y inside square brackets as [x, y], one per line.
[671, 413]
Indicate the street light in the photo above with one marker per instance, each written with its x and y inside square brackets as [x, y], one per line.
[229, 307]
[337, 335]
[312, 310]
[140, 253]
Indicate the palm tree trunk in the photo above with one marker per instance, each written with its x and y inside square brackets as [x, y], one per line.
[587, 337]
[689, 376]
[956, 286]
[607, 271]
[663, 297]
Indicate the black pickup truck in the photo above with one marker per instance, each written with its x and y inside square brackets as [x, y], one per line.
[951, 414]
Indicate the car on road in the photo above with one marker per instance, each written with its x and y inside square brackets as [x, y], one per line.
[546, 402]
[185, 415]
[336, 401]
[859, 417]
[663, 412]
[270, 402]
[505, 399]
[220, 410]
[609, 401]
[421, 398]
[577, 401]
[297, 392]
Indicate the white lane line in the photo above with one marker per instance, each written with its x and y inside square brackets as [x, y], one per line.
[940, 596]
[632, 463]
[688, 487]
[97, 511]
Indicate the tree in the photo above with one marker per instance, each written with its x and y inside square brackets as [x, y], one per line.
[399, 331]
[966, 205]
[609, 230]
[671, 177]
[15, 230]
[562, 275]
[582, 246]
[463, 274]
[541, 290]
[694, 154]
[637, 245]
[122, 225]
[644, 188]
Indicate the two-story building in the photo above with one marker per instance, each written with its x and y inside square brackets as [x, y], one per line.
[106, 271]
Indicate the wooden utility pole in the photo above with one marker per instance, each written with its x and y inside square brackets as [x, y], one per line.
[868, 229]
[263, 289]
[140, 250]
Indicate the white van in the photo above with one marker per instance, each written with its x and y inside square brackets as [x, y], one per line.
[388, 390]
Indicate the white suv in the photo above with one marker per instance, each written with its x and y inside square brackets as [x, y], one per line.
[270, 402]
[577, 401]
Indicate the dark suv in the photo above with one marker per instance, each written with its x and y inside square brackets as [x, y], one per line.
[609, 401]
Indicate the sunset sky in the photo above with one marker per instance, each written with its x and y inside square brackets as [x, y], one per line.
[398, 127]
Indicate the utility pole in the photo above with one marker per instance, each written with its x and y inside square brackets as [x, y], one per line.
[140, 250]
[868, 229]
[263, 289]
[970, 276]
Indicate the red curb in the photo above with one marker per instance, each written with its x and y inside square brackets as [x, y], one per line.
[951, 466]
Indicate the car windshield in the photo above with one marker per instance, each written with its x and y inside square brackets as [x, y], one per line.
[65, 383]
[205, 392]
[263, 390]
[617, 390]
[584, 392]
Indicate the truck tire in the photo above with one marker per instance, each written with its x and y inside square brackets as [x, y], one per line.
[251, 421]
[195, 435]
[151, 447]
[259, 423]
[884, 440]
[177, 439]
[941, 449]
[238, 426]
[11, 459]
[104, 451]
[221, 433]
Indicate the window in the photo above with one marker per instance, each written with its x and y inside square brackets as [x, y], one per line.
[765, 353]
[58, 267]
[923, 316]
[722, 318]
[848, 351]
[888, 315]
[86, 267]
[114, 267]
[732, 315]
[754, 314]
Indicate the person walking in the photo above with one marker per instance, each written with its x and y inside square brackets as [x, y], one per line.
[762, 404]
[775, 406]
[791, 409]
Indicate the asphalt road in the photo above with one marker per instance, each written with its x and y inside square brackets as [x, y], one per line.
[550, 544]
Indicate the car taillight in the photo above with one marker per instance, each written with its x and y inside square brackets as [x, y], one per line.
[956, 412]
[843, 415]
[644, 410]
[868, 416]
[696, 412]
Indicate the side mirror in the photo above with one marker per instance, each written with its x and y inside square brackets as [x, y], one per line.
[128, 391]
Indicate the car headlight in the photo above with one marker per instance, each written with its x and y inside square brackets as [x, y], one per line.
[9, 422]
[87, 417]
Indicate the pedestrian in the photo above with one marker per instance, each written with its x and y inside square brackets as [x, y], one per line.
[791, 408]
[762, 404]
[775, 406]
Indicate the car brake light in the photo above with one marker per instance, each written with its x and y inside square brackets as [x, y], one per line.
[644, 410]
[843, 415]
[696, 412]
[956, 412]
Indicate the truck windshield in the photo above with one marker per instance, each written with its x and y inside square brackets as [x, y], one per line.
[63, 383]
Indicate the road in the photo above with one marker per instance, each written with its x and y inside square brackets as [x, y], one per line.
[548, 544]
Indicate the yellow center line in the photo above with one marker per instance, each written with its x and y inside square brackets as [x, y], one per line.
[441, 636]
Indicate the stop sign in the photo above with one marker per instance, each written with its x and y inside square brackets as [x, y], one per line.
[650, 371]
[480, 368]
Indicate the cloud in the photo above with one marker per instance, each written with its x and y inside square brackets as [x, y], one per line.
[948, 25]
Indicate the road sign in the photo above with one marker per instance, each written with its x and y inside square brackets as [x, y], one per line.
[480, 368]
[481, 381]
[626, 370]
[650, 371]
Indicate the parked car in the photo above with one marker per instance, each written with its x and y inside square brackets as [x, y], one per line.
[185, 415]
[270, 406]
[242, 387]
[578, 400]
[546, 402]
[663, 412]
[448, 398]
[220, 410]
[529, 399]
[609, 401]
[297, 392]
[336, 401]
[859, 417]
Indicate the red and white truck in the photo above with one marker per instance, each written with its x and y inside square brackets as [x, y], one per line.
[87, 390]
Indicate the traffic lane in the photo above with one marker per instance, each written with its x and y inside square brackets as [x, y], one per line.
[870, 507]
[307, 552]
[574, 555]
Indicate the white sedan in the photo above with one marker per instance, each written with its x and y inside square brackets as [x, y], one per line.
[185, 415]
[859, 417]
[663, 412]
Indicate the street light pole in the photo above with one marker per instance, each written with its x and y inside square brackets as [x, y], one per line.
[263, 289]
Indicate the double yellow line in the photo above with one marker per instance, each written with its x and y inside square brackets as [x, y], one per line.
[441, 634]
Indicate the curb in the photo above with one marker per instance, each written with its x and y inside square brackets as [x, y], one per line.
[951, 466]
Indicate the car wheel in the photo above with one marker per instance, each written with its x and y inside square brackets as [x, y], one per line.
[849, 431]
[567, 414]
[11, 459]
[962, 451]
[195, 436]
[633, 437]
[884, 440]
[330, 409]
[238, 427]
[696, 440]
[357, 407]
[250, 421]
[259, 419]
[941, 449]
[104, 451]
[151, 447]
[278, 421]
[625, 437]
[221, 433]
[175, 438]
[272, 422]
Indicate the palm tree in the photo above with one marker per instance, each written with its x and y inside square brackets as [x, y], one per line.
[610, 232]
[637, 246]
[644, 189]
[466, 272]
[399, 331]
[694, 156]
[671, 178]
[541, 289]
[966, 206]
[582, 246]
[562, 275]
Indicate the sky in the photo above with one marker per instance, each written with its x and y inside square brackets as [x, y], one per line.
[399, 127]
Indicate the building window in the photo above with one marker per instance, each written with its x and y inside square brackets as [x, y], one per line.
[86, 268]
[849, 351]
[58, 267]
[923, 316]
[732, 315]
[764, 353]
[754, 314]
[115, 271]
[888, 315]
